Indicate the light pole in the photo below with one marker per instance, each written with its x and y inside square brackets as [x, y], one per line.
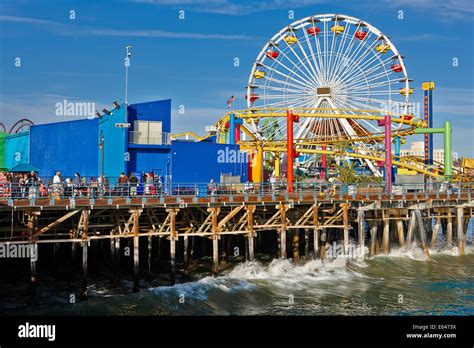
[127, 64]
[102, 157]
[128, 54]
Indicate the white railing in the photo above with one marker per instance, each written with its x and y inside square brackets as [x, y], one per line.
[149, 138]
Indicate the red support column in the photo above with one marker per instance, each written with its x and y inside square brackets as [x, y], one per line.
[322, 175]
[290, 151]
[388, 153]
[237, 133]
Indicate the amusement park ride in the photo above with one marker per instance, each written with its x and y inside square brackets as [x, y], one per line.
[331, 85]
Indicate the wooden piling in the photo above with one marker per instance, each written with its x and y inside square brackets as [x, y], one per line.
[373, 238]
[460, 232]
[32, 226]
[361, 231]
[283, 231]
[296, 245]
[400, 233]
[136, 252]
[345, 218]
[185, 255]
[85, 245]
[173, 236]
[315, 231]
[386, 236]
[411, 228]
[215, 240]
[422, 232]
[434, 237]
[84, 271]
[251, 234]
[449, 230]
[150, 251]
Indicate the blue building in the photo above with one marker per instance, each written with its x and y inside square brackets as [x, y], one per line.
[134, 139]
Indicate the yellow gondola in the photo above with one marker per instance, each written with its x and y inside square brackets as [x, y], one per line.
[383, 48]
[290, 39]
[259, 74]
[338, 29]
[405, 91]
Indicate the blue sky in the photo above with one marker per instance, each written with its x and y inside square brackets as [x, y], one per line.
[192, 60]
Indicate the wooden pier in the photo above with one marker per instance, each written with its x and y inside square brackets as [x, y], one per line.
[304, 224]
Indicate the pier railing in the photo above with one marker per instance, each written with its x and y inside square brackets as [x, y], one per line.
[45, 189]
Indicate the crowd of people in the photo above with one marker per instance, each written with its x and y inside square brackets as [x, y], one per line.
[30, 185]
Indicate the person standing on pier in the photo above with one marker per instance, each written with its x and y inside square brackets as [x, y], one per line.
[122, 184]
[57, 185]
[133, 184]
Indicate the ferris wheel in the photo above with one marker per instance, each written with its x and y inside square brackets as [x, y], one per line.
[328, 62]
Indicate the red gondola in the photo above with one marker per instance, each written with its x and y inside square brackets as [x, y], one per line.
[313, 30]
[360, 34]
[253, 97]
[272, 54]
[408, 117]
[396, 67]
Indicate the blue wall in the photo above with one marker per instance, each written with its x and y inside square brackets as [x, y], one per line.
[198, 162]
[115, 143]
[152, 111]
[17, 149]
[149, 159]
[66, 146]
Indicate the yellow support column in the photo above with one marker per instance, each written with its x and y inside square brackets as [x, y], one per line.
[277, 165]
[257, 164]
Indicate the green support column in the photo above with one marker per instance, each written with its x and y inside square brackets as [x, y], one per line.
[448, 146]
[448, 153]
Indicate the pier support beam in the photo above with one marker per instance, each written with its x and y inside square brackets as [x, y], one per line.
[460, 230]
[400, 233]
[316, 231]
[85, 245]
[345, 218]
[386, 236]
[373, 238]
[449, 230]
[422, 232]
[136, 251]
[250, 210]
[361, 231]
[32, 227]
[296, 245]
[84, 295]
[411, 228]
[215, 240]
[186, 254]
[150, 251]
[306, 242]
[173, 236]
[434, 237]
[283, 231]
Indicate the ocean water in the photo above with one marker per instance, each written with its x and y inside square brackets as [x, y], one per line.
[401, 283]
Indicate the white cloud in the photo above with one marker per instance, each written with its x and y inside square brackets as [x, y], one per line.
[233, 7]
[158, 33]
[444, 10]
[69, 29]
